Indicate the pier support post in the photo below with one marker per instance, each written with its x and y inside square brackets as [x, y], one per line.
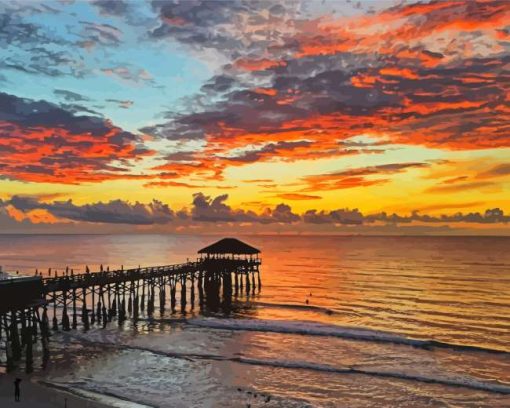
[192, 291]
[34, 314]
[227, 292]
[45, 333]
[93, 310]
[183, 293]
[142, 303]
[15, 342]
[200, 289]
[162, 299]
[29, 358]
[122, 311]
[8, 345]
[115, 299]
[85, 311]
[23, 329]
[45, 325]
[99, 305]
[75, 320]
[131, 299]
[55, 321]
[173, 285]
[104, 310]
[136, 302]
[247, 277]
[65, 316]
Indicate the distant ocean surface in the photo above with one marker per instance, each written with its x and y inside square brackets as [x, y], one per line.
[389, 322]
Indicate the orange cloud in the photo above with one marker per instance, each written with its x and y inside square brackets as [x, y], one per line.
[257, 64]
[357, 177]
[185, 185]
[297, 196]
[58, 155]
[37, 216]
[451, 188]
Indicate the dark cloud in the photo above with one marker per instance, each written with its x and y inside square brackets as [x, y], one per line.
[42, 61]
[498, 171]
[219, 84]
[228, 26]
[182, 156]
[111, 7]
[491, 216]
[113, 212]
[344, 217]
[29, 114]
[129, 74]
[124, 104]
[207, 209]
[272, 149]
[13, 30]
[70, 96]
[104, 34]
[78, 109]
[358, 177]
[32, 48]
[283, 213]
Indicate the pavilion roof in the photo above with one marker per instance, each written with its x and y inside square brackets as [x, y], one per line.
[229, 246]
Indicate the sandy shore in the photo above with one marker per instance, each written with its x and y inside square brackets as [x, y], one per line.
[35, 395]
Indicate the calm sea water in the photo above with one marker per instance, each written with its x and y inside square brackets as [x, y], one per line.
[339, 322]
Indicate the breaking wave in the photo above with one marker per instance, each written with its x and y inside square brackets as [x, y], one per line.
[318, 329]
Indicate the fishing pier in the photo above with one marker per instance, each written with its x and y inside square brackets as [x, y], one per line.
[32, 307]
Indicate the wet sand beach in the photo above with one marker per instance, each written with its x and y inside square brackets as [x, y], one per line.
[35, 395]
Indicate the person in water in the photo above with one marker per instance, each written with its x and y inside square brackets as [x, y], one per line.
[17, 389]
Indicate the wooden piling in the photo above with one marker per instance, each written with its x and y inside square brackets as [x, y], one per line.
[75, 319]
[93, 310]
[183, 293]
[65, 316]
[173, 286]
[29, 355]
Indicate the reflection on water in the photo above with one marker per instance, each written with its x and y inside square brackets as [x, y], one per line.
[454, 290]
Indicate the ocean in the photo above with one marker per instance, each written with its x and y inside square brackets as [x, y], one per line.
[339, 322]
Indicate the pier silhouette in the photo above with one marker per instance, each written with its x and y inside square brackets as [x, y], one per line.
[224, 269]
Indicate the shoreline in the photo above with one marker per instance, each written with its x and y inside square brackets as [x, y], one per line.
[34, 394]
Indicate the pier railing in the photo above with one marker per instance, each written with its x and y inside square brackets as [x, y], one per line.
[82, 280]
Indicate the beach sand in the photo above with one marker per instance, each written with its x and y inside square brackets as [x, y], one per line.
[35, 395]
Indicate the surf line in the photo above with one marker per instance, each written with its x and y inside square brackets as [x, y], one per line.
[351, 333]
[91, 395]
[468, 383]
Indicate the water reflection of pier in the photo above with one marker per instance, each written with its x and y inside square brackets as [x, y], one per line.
[225, 269]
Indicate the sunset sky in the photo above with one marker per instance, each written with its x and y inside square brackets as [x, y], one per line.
[298, 116]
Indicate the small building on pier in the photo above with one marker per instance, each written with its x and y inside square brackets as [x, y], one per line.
[229, 248]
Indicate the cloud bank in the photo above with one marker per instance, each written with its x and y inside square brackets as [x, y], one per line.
[215, 210]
